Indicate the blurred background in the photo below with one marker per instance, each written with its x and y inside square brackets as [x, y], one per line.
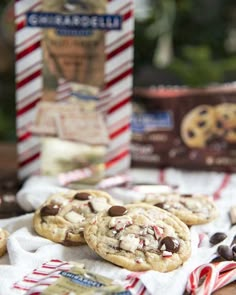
[177, 42]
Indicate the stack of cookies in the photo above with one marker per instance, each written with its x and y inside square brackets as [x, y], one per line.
[141, 236]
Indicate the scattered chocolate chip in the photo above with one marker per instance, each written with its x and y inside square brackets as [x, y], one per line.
[233, 241]
[160, 205]
[117, 211]
[49, 210]
[225, 252]
[191, 134]
[83, 196]
[217, 259]
[234, 250]
[202, 123]
[171, 244]
[217, 238]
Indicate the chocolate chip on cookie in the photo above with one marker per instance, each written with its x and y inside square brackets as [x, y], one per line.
[190, 208]
[117, 211]
[160, 205]
[217, 238]
[82, 196]
[145, 238]
[68, 213]
[169, 244]
[50, 209]
[186, 195]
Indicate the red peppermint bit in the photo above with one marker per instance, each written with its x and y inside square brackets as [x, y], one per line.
[95, 221]
[157, 231]
[123, 227]
[139, 260]
[167, 254]
[141, 243]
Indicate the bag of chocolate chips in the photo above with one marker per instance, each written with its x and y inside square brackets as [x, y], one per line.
[185, 128]
[73, 85]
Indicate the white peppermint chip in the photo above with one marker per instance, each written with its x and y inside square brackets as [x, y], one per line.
[120, 222]
[129, 243]
[158, 231]
[59, 200]
[163, 247]
[166, 254]
[150, 231]
[74, 217]
[99, 204]
[143, 231]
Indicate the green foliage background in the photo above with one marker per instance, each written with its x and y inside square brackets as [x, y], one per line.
[198, 37]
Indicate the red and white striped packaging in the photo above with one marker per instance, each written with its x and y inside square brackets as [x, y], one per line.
[47, 274]
[114, 97]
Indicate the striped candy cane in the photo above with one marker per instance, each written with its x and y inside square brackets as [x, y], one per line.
[207, 278]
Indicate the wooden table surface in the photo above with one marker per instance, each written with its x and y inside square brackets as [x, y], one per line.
[8, 168]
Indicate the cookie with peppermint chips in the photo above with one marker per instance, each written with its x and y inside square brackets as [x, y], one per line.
[139, 237]
[3, 241]
[63, 216]
[192, 209]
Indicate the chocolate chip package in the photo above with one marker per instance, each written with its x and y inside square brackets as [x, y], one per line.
[73, 85]
[185, 127]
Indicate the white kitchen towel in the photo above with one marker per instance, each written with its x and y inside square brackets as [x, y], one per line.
[36, 190]
[27, 251]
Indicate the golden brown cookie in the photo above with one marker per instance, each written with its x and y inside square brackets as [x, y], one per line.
[191, 209]
[63, 216]
[197, 126]
[3, 241]
[226, 121]
[139, 237]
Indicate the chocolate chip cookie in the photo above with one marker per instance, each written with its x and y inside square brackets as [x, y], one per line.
[197, 126]
[226, 121]
[63, 216]
[191, 209]
[139, 237]
[3, 241]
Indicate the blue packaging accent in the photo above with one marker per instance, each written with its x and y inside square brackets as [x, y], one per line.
[145, 122]
[74, 22]
[80, 280]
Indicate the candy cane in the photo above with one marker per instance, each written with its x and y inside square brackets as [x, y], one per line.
[75, 175]
[215, 276]
[206, 271]
[227, 273]
[114, 181]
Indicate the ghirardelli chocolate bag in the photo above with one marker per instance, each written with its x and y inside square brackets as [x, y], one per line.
[74, 83]
[185, 128]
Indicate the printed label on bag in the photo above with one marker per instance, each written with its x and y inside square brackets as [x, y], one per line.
[79, 281]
